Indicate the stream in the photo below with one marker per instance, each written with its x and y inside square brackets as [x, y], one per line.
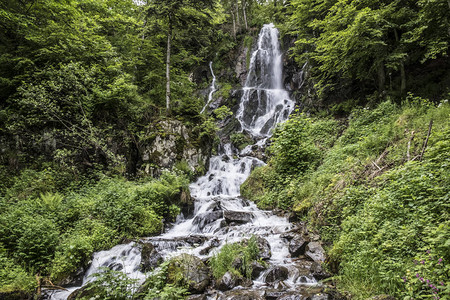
[220, 215]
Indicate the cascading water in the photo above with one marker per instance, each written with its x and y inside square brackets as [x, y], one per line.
[217, 203]
[264, 102]
[212, 89]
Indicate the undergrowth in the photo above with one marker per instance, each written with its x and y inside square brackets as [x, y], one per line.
[365, 186]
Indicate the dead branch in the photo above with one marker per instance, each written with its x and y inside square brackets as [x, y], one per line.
[426, 141]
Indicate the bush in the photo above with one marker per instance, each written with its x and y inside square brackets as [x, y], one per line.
[247, 252]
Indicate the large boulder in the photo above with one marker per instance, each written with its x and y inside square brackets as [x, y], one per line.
[297, 246]
[230, 281]
[257, 269]
[237, 217]
[190, 269]
[315, 252]
[150, 258]
[264, 248]
[276, 273]
[203, 219]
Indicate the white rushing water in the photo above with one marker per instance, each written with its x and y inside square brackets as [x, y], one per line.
[217, 194]
[212, 88]
[265, 103]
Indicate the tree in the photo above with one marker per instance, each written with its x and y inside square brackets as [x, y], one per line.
[174, 13]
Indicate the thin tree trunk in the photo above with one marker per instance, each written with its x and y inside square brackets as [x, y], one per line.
[237, 14]
[402, 70]
[245, 15]
[169, 40]
[234, 24]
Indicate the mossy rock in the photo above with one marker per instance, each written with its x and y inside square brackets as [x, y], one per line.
[191, 271]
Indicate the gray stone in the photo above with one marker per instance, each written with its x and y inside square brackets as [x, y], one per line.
[297, 246]
[264, 249]
[239, 217]
[315, 252]
[227, 282]
[150, 258]
[193, 271]
[257, 269]
[203, 219]
[276, 273]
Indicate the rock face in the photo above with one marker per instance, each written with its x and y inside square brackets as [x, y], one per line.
[315, 252]
[150, 258]
[174, 142]
[276, 273]
[264, 249]
[206, 218]
[238, 217]
[192, 270]
[297, 246]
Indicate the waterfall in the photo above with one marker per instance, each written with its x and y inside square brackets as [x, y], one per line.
[212, 88]
[265, 103]
[217, 194]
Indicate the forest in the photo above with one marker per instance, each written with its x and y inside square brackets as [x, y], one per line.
[111, 109]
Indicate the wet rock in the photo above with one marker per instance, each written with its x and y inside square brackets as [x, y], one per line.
[239, 217]
[318, 297]
[192, 269]
[318, 272]
[150, 258]
[297, 246]
[214, 242]
[257, 269]
[227, 282]
[243, 295]
[315, 252]
[276, 273]
[74, 279]
[264, 249]
[273, 294]
[201, 220]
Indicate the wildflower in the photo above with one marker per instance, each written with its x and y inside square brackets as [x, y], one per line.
[428, 280]
[422, 262]
[421, 278]
[440, 260]
[404, 279]
[417, 275]
[428, 251]
[442, 283]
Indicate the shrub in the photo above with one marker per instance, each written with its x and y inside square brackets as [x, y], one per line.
[222, 262]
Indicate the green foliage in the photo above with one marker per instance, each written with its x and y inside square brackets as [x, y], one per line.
[378, 206]
[223, 261]
[240, 140]
[110, 284]
[54, 234]
[158, 288]
[12, 276]
[428, 278]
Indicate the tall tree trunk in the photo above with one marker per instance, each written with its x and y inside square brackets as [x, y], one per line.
[237, 15]
[245, 15]
[402, 70]
[169, 40]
